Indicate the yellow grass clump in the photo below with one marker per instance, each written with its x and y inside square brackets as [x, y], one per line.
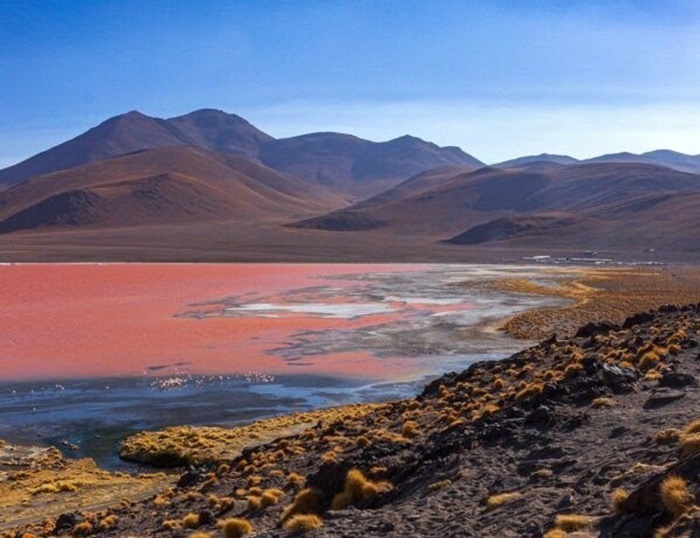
[236, 527]
[270, 497]
[690, 444]
[303, 523]
[602, 401]
[675, 495]
[306, 502]
[618, 496]
[571, 522]
[190, 521]
[84, 528]
[494, 501]
[357, 490]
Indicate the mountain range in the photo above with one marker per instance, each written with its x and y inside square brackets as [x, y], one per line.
[211, 186]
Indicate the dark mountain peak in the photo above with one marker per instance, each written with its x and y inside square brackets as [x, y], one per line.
[210, 117]
[542, 158]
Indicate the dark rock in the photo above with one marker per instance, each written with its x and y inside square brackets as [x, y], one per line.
[670, 308]
[592, 329]
[206, 517]
[619, 432]
[189, 478]
[66, 522]
[676, 380]
[541, 415]
[663, 397]
[565, 501]
[617, 378]
[637, 319]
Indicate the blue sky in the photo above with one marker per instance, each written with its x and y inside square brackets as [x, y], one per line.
[498, 78]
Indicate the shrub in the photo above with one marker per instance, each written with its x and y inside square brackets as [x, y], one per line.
[690, 444]
[303, 523]
[494, 501]
[357, 490]
[602, 401]
[571, 522]
[675, 495]
[270, 497]
[618, 496]
[693, 427]
[190, 521]
[83, 529]
[306, 501]
[236, 527]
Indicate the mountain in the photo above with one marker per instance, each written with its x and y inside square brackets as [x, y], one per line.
[116, 136]
[662, 157]
[536, 159]
[355, 166]
[159, 186]
[573, 203]
[349, 164]
[219, 131]
[133, 131]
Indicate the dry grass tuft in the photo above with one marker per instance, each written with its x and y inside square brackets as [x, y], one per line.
[572, 522]
[303, 523]
[668, 435]
[236, 527]
[690, 444]
[618, 496]
[494, 501]
[675, 495]
[306, 502]
[602, 401]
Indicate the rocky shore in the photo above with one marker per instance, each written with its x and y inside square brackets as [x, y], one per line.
[591, 435]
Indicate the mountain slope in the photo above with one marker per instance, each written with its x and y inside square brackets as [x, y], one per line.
[542, 158]
[346, 163]
[355, 166]
[493, 204]
[156, 186]
[116, 136]
[219, 131]
[663, 157]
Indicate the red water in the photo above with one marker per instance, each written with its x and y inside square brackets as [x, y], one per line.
[65, 321]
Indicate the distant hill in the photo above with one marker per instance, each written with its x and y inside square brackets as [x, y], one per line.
[554, 204]
[356, 166]
[159, 186]
[662, 157]
[348, 164]
[542, 158]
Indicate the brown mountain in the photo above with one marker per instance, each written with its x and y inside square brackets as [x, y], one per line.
[359, 167]
[661, 157]
[133, 131]
[553, 203]
[159, 186]
[348, 164]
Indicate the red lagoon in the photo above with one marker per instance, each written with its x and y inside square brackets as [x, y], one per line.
[101, 320]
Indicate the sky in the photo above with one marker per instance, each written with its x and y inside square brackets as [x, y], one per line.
[499, 78]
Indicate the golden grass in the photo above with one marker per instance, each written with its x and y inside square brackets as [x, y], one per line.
[690, 444]
[358, 489]
[306, 502]
[571, 522]
[494, 501]
[303, 523]
[675, 495]
[236, 527]
[185, 445]
[618, 497]
[602, 401]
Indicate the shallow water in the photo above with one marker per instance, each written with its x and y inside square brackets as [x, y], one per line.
[221, 345]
